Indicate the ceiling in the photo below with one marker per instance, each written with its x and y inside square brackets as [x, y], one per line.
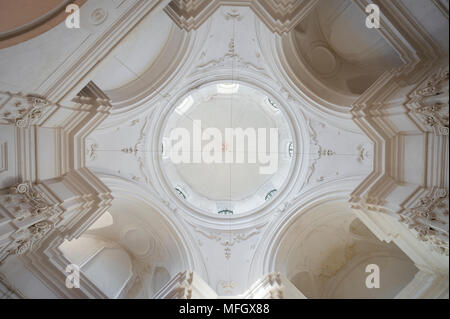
[360, 165]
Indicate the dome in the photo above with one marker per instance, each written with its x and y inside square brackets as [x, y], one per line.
[227, 148]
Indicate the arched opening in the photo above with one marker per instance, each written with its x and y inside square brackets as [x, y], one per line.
[329, 253]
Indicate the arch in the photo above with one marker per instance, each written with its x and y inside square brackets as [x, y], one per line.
[323, 248]
[316, 60]
[142, 211]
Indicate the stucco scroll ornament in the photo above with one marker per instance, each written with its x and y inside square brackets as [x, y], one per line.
[429, 218]
[35, 233]
[35, 199]
[34, 112]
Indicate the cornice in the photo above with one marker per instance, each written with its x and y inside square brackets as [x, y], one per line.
[264, 260]
[279, 16]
